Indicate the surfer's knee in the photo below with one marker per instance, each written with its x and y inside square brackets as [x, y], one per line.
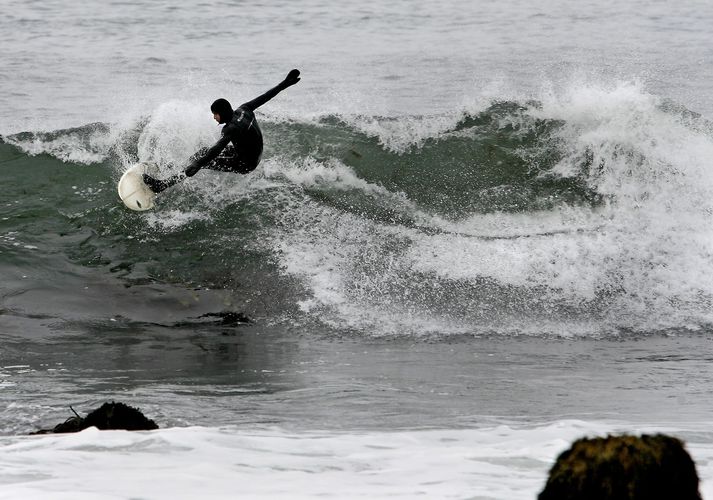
[244, 168]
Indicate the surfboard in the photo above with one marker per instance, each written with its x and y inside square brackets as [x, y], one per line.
[133, 192]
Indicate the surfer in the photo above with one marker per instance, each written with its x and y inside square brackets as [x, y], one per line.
[239, 148]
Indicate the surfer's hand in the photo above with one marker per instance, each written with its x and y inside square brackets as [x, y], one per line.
[291, 78]
[192, 170]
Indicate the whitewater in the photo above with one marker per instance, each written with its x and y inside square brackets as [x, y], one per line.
[478, 233]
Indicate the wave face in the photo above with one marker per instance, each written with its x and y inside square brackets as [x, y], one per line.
[582, 213]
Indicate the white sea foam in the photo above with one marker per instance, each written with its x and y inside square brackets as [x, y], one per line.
[406, 132]
[643, 257]
[501, 462]
[85, 148]
[167, 220]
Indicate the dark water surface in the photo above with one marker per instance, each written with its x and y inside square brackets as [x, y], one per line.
[259, 375]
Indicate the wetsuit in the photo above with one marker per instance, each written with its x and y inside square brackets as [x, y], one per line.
[239, 148]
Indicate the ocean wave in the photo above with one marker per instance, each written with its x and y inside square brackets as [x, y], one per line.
[586, 211]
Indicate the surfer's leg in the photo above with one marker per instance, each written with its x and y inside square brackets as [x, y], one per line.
[234, 165]
[199, 154]
[158, 185]
[230, 161]
[243, 168]
[224, 160]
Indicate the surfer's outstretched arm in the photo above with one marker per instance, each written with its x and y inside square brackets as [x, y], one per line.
[291, 78]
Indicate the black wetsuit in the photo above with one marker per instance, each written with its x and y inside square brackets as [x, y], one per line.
[239, 148]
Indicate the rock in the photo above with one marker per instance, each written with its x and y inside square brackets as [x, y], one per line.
[623, 468]
[108, 416]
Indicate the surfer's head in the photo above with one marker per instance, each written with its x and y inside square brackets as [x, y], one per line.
[222, 110]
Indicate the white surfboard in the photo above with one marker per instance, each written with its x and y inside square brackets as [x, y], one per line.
[133, 192]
